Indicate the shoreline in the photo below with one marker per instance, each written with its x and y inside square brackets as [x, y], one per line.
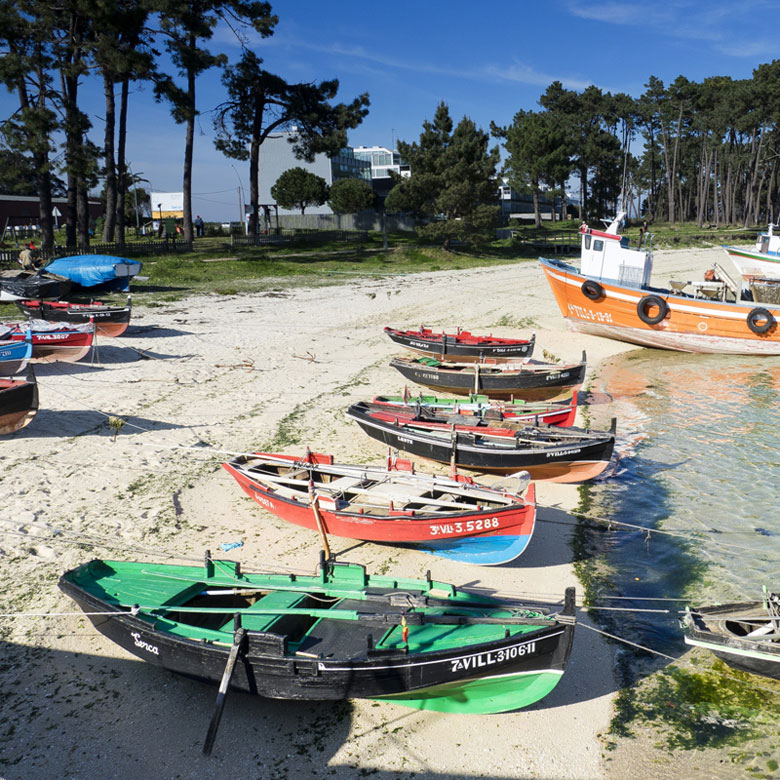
[234, 373]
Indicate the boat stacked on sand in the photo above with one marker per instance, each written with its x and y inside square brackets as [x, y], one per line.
[462, 346]
[337, 634]
[505, 446]
[561, 413]
[15, 354]
[528, 379]
[610, 295]
[19, 285]
[109, 320]
[51, 341]
[18, 402]
[453, 518]
[745, 635]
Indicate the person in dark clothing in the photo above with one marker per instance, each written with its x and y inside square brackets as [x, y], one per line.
[198, 226]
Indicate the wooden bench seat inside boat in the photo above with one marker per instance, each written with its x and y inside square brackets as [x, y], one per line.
[280, 599]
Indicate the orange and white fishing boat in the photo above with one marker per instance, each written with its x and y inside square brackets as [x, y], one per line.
[610, 295]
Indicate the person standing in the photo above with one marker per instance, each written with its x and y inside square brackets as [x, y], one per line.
[198, 226]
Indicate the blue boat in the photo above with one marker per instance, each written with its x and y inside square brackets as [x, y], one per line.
[98, 272]
[14, 355]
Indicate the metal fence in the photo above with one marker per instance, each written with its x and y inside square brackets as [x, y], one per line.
[305, 236]
[9, 257]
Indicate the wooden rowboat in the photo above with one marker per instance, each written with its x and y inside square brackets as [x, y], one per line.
[610, 296]
[337, 634]
[51, 341]
[18, 285]
[453, 518]
[462, 346]
[546, 453]
[14, 355]
[110, 321]
[561, 413]
[745, 635]
[530, 380]
[18, 402]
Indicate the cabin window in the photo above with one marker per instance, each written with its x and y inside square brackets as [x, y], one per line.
[587, 242]
[598, 246]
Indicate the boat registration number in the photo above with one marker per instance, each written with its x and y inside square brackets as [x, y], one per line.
[493, 657]
[588, 314]
[468, 527]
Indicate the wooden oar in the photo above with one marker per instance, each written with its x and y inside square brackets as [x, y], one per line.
[219, 706]
[318, 519]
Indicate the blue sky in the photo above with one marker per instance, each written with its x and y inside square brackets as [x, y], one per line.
[485, 60]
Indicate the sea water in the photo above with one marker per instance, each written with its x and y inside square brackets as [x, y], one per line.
[699, 438]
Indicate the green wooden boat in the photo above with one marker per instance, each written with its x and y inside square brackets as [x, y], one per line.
[337, 634]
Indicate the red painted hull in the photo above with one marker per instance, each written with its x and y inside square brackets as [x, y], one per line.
[110, 321]
[397, 526]
[58, 345]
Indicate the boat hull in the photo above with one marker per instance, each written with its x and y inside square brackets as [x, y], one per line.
[751, 264]
[572, 461]
[65, 345]
[558, 413]
[14, 357]
[110, 321]
[487, 536]
[463, 678]
[504, 383]
[720, 630]
[462, 347]
[33, 285]
[691, 325]
[18, 403]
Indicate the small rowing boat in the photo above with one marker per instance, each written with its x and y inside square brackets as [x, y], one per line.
[462, 346]
[453, 518]
[337, 634]
[531, 380]
[109, 320]
[561, 413]
[504, 447]
[18, 285]
[745, 635]
[18, 402]
[14, 355]
[52, 341]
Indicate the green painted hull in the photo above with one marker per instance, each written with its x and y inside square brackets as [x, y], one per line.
[483, 695]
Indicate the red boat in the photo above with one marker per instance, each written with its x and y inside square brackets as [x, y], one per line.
[454, 518]
[462, 347]
[52, 342]
[110, 321]
[560, 413]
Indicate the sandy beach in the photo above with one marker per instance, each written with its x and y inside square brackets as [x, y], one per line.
[195, 380]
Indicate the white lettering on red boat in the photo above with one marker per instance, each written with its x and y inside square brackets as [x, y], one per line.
[469, 527]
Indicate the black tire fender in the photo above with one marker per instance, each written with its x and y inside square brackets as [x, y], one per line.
[760, 320]
[593, 290]
[646, 303]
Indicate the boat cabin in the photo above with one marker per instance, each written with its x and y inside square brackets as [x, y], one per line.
[606, 255]
[768, 243]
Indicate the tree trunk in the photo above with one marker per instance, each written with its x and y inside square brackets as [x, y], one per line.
[537, 214]
[254, 171]
[108, 151]
[82, 211]
[121, 167]
[188, 149]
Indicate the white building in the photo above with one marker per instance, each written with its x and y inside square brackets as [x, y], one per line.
[383, 161]
[276, 157]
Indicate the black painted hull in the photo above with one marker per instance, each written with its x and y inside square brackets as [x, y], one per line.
[38, 285]
[268, 670]
[561, 456]
[718, 630]
[18, 403]
[109, 320]
[544, 384]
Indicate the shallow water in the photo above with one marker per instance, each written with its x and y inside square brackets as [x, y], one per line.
[700, 439]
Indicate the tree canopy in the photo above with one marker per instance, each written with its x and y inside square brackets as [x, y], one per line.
[452, 180]
[298, 188]
[348, 196]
